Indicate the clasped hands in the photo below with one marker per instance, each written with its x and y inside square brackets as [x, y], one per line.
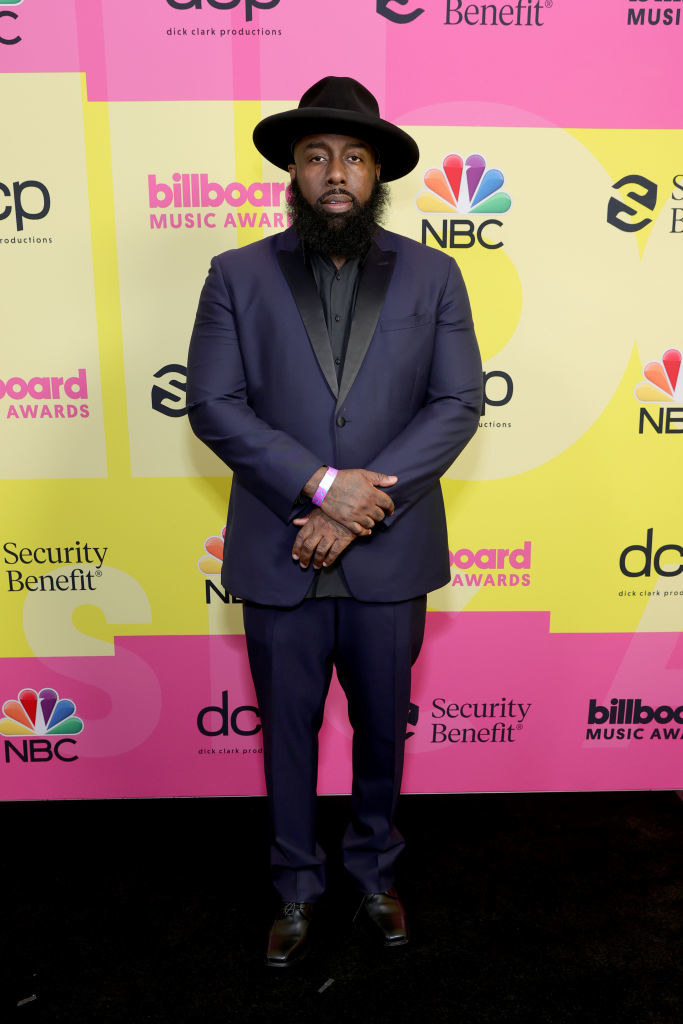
[350, 509]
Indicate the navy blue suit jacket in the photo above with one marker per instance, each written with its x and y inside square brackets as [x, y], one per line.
[263, 395]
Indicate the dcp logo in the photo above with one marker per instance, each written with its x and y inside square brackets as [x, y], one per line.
[638, 559]
[621, 215]
[498, 389]
[29, 200]
[224, 721]
[386, 11]
[8, 33]
[225, 5]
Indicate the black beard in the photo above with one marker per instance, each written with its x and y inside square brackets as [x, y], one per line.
[338, 234]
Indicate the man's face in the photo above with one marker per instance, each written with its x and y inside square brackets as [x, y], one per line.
[332, 171]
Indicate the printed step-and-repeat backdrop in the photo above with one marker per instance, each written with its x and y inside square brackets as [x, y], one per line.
[552, 170]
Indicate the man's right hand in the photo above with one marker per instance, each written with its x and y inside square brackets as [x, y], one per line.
[320, 539]
[354, 499]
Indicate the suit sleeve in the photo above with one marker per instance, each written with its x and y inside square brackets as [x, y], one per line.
[422, 452]
[268, 462]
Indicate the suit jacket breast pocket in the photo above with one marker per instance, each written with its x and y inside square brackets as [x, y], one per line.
[406, 323]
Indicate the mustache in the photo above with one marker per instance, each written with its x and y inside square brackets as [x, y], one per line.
[337, 192]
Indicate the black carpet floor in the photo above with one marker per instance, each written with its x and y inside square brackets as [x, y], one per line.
[548, 908]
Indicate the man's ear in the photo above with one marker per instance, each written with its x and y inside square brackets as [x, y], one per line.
[378, 168]
[292, 171]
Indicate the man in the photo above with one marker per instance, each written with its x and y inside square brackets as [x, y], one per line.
[334, 368]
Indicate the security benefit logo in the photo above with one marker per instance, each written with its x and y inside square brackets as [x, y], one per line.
[660, 394]
[169, 395]
[634, 198]
[75, 567]
[243, 11]
[45, 397]
[10, 23]
[460, 187]
[630, 718]
[40, 727]
[665, 13]
[518, 14]
[477, 721]
[491, 567]
[195, 201]
[22, 204]
[391, 10]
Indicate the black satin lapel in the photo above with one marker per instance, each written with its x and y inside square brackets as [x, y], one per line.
[372, 289]
[302, 286]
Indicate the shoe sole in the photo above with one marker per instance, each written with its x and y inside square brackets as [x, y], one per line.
[284, 964]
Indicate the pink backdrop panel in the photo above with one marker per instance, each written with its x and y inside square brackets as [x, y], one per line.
[555, 64]
[47, 36]
[499, 704]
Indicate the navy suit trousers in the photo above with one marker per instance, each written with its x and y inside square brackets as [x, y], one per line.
[291, 653]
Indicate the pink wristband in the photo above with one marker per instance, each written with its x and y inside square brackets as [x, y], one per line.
[324, 486]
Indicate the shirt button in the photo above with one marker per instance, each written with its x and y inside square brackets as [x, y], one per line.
[337, 317]
[338, 276]
[337, 362]
[340, 421]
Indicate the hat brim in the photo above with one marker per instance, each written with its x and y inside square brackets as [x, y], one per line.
[275, 136]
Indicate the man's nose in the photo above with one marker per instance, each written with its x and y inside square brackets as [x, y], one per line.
[335, 172]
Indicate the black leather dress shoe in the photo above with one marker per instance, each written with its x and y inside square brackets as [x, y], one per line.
[387, 915]
[288, 936]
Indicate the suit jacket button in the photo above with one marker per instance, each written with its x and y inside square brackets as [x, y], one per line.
[340, 421]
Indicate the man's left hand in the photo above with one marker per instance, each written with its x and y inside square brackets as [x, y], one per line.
[320, 539]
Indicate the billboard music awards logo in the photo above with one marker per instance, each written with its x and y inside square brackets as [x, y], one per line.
[187, 197]
[653, 12]
[661, 395]
[491, 567]
[243, 10]
[463, 186]
[22, 203]
[27, 562]
[9, 23]
[40, 714]
[53, 398]
[631, 719]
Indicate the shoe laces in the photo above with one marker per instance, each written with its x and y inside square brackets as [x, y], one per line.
[292, 908]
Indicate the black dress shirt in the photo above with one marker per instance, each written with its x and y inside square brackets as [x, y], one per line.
[337, 287]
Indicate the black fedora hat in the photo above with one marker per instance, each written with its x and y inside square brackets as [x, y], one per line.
[344, 107]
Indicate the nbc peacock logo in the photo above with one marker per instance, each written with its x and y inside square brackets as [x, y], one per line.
[210, 565]
[464, 186]
[42, 713]
[661, 388]
[39, 726]
[211, 561]
[663, 380]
